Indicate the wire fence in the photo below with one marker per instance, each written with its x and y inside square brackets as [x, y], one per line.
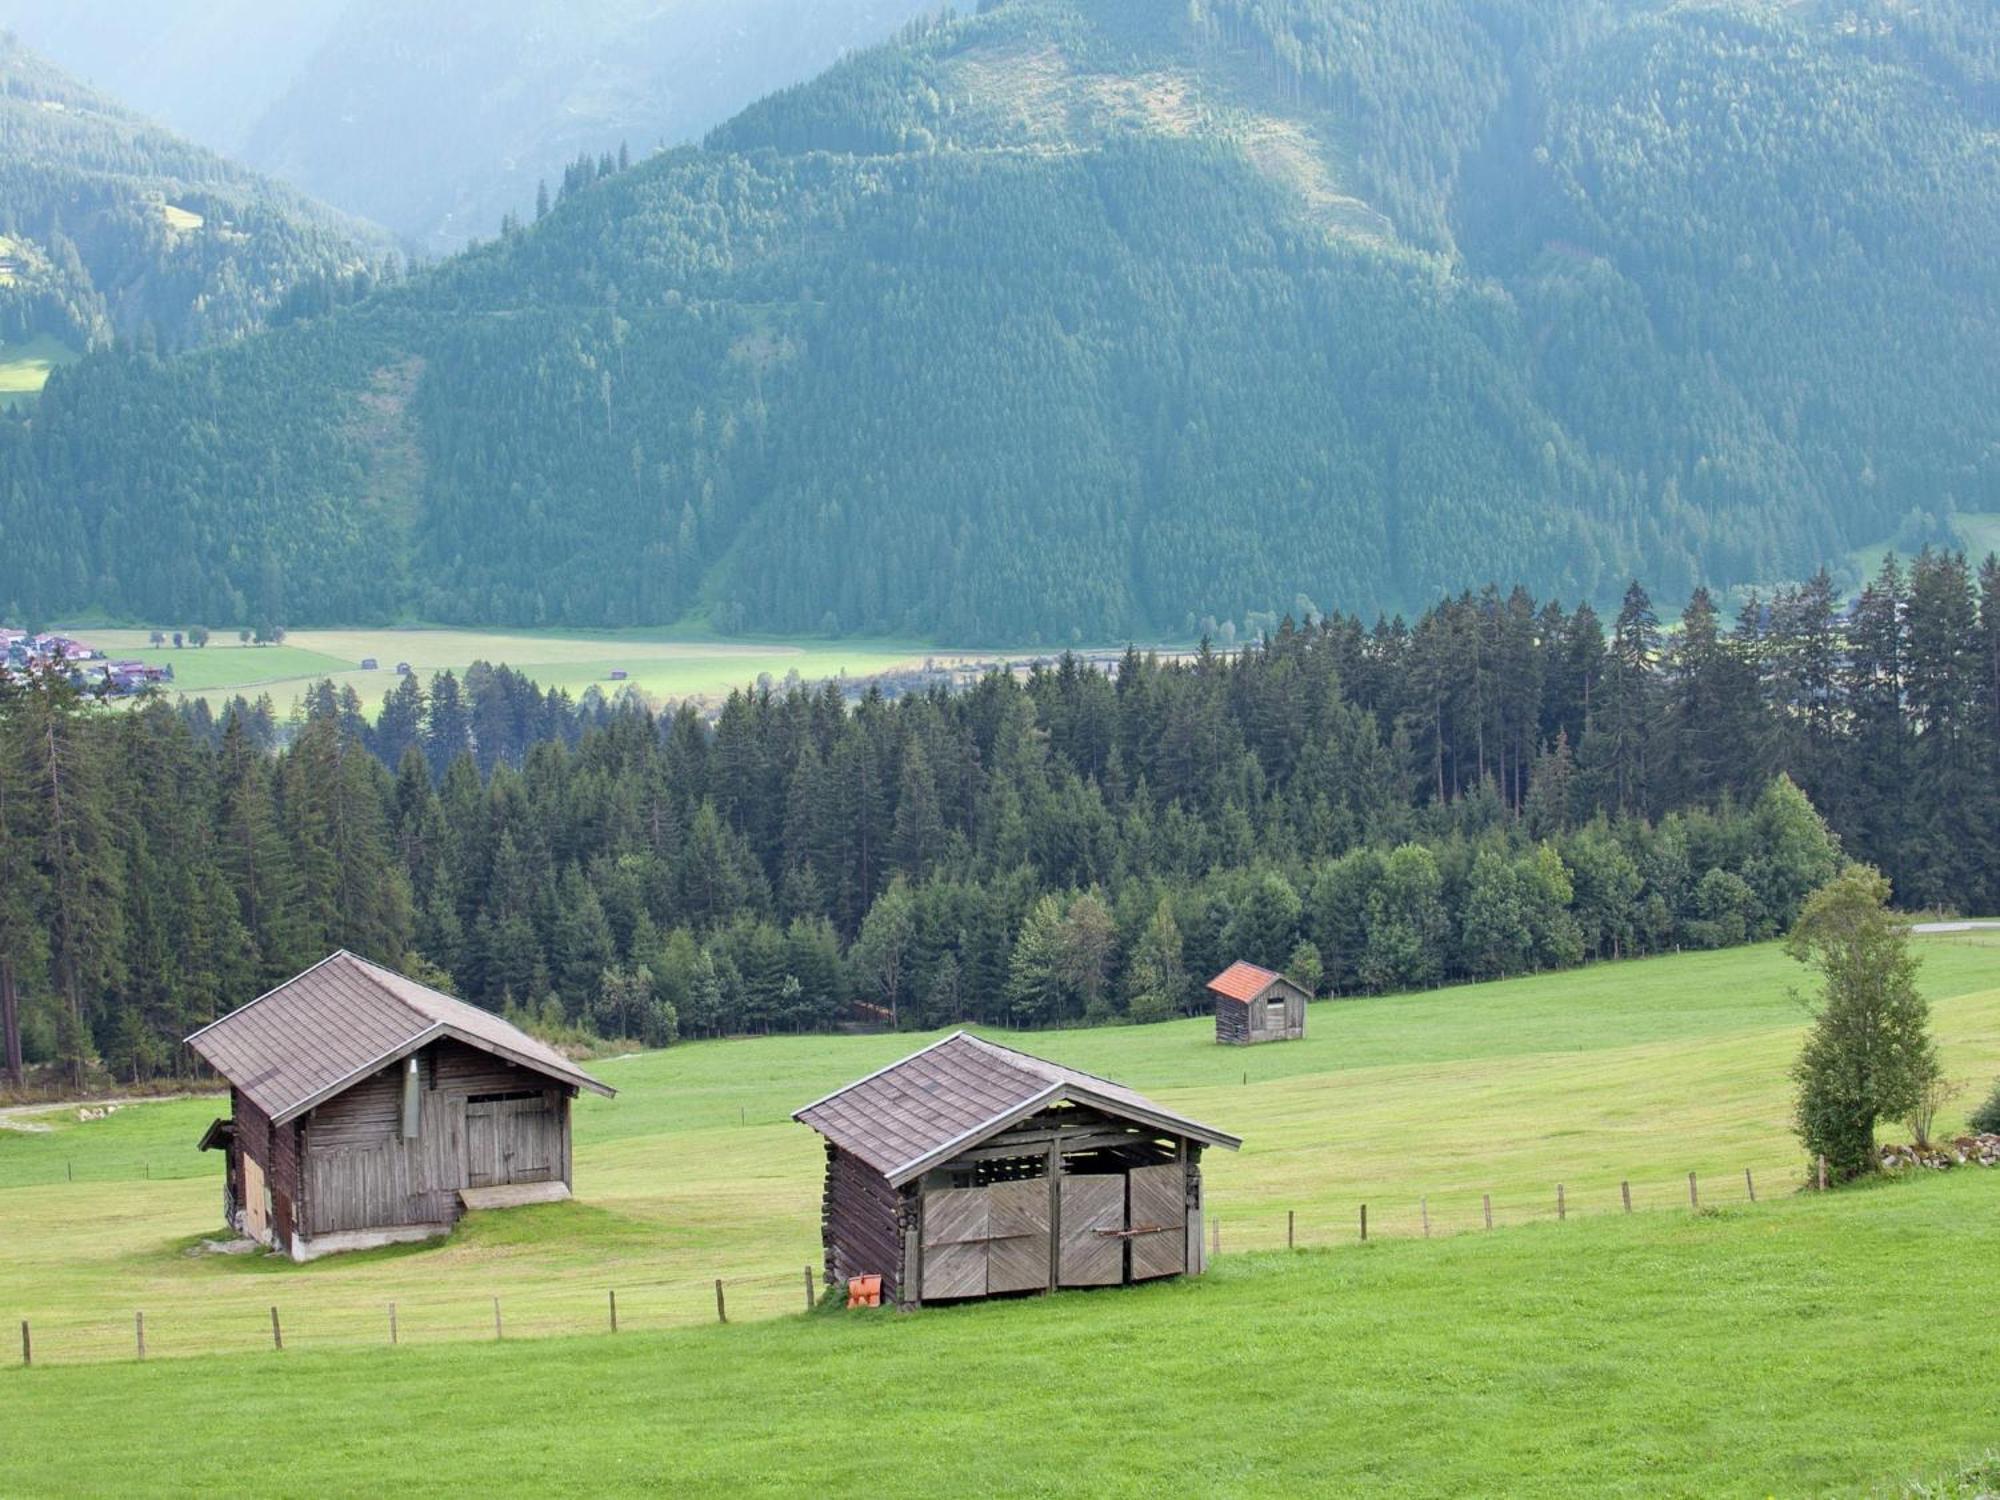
[292, 1318]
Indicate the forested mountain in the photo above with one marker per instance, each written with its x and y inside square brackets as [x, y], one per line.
[1503, 787]
[113, 228]
[436, 120]
[1076, 320]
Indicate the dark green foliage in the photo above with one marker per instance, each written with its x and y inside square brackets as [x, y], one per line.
[86, 191]
[1986, 1118]
[987, 336]
[1869, 1055]
[1366, 809]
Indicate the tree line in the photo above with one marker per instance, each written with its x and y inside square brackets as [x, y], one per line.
[1502, 786]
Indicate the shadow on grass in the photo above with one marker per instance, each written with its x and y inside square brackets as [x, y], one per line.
[570, 1226]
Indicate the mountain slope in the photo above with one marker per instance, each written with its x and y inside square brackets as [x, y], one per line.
[1082, 320]
[437, 121]
[114, 227]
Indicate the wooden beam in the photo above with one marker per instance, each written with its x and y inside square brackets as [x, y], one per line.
[1054, 1169]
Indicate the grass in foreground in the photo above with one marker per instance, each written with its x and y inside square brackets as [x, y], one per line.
[1835, 1344]
[1638, 1071]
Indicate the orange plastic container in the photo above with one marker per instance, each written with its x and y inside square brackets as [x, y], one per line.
[864, 1291]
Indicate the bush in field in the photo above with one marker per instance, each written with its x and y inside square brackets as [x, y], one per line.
[1869, 1055]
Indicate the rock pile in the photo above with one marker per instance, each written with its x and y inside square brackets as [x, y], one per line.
[98, 1114]
[1966, 1151]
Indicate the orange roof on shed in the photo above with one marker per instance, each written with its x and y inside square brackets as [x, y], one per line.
[1241, 981]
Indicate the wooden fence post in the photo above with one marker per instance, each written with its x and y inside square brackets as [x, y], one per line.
[498, 1331]
[1694, 1195]
[1625, 1192]
[1822, 1172]
[721, 1312]
[139, 1332]
[811, 1300]
[1750, 1183]
[1364, 1223]
[277, 1332]
[614, 1311]
[27, 1347]
[1424, 1208]
[1486, 1203]
[1291, 1228]
[393, 1331]
[69, 1170]
[1562, 1208]
[1215, 1235]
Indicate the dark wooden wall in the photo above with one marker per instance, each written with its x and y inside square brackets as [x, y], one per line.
[1232, 1022]
[275, 1148]
[860, 1223]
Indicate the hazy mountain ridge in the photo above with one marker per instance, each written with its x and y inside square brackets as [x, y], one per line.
[115, 227]
[1101, 319]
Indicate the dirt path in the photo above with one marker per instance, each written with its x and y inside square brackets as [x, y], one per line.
[14, 1112]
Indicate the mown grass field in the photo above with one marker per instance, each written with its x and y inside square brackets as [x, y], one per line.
[25, 367]
[668, 666]
[1635, 1072]
[1821, 1345]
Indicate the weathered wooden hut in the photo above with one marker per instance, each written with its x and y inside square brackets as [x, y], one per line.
[1255, 1005]
[367, 1109]
[969, 1169]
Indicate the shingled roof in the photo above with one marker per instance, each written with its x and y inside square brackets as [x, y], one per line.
[1243, 981]
[916, 1113]
[344, 1018]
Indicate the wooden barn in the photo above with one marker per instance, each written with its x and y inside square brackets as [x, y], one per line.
[969, 1169]
[1255, 1005]
[367, 1109]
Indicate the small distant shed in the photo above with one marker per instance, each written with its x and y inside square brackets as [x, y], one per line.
[367, 1109]
[970, 1170]
[1254, 1004]
[368, 664]
[402, 669]
[619, 674]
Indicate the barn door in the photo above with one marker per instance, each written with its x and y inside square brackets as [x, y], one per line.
[1158, 1228]
[955, 1230]
[1093, 1231]
[978, 1241]
[482, 1145]
[528, 1143]
[1017, 1257]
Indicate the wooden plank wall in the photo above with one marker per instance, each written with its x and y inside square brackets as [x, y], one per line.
[1232, 1022]
[859, 1224]
[361, 1174]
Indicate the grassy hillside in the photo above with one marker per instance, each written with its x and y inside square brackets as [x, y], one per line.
[25, 367]
[1752, 1352]
[1637, 1072]
[1079, 321]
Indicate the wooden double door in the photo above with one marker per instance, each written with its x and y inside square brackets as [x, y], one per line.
[1099, 1229]
[512, 1138]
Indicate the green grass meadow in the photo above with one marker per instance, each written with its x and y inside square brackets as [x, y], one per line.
[667, 665]
[1803, 1345]
[25, 367]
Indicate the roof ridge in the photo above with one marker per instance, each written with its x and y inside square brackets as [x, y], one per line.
[281, 985]
[1049, 1062]
[376, 972]
[885, 1068]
